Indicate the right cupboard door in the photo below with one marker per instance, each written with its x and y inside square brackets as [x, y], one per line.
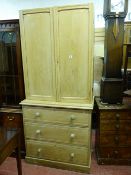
[74, 35]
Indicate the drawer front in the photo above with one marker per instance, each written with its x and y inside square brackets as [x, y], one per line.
[57, 152]
[115, 115]
[112, 139]
[54, 133]
[115, 152]
[11, 120]
[57, 116]
[122, 125]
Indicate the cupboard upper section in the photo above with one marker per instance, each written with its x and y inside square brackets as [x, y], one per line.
[57, 49]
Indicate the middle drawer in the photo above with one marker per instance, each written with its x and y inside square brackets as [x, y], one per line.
[113, 125]
[56, 133]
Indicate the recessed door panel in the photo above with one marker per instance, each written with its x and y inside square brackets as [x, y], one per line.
[39, 63]
[75, 66]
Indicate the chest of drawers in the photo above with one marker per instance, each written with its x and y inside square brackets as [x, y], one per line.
[58, 137]
[113, 133]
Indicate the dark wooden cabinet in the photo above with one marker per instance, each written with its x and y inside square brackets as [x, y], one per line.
[11, 72]
[11, 77]
[113, 133]
[127, 71]
[112, 82]
[13, 118]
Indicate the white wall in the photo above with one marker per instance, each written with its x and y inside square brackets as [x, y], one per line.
[99, 20]
[9, 9]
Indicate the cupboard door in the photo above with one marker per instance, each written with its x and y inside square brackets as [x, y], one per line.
[74, 48]
[38, 53]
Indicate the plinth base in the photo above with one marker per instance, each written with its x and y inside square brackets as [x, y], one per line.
[111, 90]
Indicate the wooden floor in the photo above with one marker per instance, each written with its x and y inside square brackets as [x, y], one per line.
[9, 168]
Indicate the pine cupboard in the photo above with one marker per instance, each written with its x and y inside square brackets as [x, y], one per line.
[57, 49]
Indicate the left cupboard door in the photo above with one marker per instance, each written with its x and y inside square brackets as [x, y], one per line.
[38, 54]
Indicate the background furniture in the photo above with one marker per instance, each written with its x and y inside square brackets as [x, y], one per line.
[112, 81]
[13, 118]
[11, 77]
[113, 133]
[127, 56]
[127, 73]
[57, 48]
[10, 140]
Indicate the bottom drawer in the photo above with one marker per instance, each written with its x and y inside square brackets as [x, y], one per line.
[115, 152]
[58, 152]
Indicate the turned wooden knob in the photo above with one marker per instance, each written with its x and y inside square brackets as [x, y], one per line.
[72, 155]
[117, 116]
[37, 114]
[116, 139]
[72, 136]
[116, 152]
[72, 117]
[39, 150]
[38, 131]
[117, 126]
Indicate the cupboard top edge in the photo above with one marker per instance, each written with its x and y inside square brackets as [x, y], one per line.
[59, 8]
[56, 104]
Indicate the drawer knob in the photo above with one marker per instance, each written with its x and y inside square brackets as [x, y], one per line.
[72, 155]
[11, 118]
[72, 136]
[72, 117]
[117, 116]
[37, 131]
[108, 155]
[116, 152]
[117, 126]
[39, 150]
[116, 139]
[37, 114]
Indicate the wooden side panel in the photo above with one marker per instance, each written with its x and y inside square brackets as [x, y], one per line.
[74, 49]
[38, 54]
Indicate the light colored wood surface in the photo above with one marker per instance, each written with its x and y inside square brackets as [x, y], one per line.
[57, 104]
[127, 33]
[127, 40]
[74, 56]
[58, 134]
[57, 129]
[57, 49]
[58, 54]
[68, 117]
[51, 151]
[38, 55]
[58, 164]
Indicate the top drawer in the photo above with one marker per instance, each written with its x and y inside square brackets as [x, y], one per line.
[57, 116]
[11, 120]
